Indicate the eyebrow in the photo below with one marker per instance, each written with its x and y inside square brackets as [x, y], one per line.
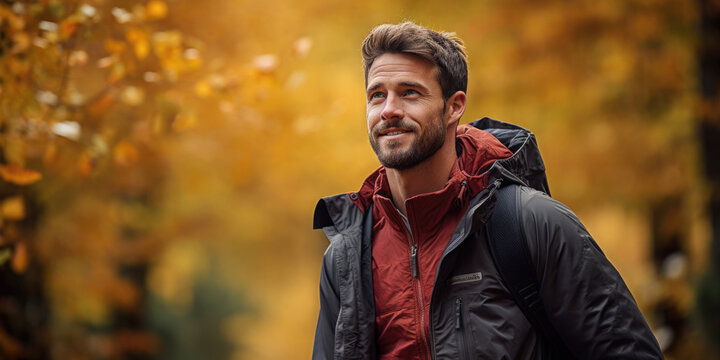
[374, 87]
[414, 85]
[403, 84]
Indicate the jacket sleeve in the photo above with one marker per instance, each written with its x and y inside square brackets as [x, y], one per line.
[586, 299]
[329, 307]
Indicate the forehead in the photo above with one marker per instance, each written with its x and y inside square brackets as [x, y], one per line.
[396, 67]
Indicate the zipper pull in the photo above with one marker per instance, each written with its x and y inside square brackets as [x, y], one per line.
[458, 303]
[460, 199]
[413, 260]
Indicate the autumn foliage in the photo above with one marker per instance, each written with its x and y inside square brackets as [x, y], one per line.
[161, 159]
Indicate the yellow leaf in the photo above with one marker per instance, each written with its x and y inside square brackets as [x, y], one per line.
[132, 95]
[18, 175]
[139, 40]
[13, 208]
[203, 89]
[20, 258]
[142, 49]
[156, 9]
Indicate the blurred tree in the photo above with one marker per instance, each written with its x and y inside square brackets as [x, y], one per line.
[708, 290]
[87, 97]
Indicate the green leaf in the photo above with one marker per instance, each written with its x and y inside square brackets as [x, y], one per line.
[5, 255]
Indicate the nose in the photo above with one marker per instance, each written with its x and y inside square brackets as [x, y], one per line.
[393, 108]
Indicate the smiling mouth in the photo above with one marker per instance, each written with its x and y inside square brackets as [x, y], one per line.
[394, 131]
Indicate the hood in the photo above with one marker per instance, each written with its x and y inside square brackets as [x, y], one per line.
[487, 150]
[525, 166]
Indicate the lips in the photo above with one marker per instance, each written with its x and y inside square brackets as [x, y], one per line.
[394, 131]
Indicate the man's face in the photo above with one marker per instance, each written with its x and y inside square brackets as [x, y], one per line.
[405, 107]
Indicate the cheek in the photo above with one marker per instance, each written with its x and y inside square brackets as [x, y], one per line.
[372, 117]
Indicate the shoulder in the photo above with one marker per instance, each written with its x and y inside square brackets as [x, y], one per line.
[540, 210]
[341, 220]
[339, 215]
[553, 231]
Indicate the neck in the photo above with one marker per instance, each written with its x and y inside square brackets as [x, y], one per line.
[429, 176]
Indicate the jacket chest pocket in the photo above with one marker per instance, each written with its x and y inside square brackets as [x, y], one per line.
[480, 328]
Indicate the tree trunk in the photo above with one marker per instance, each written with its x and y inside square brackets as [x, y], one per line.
[708, 292]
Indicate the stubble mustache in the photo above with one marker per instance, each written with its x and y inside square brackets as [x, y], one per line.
[384, 125]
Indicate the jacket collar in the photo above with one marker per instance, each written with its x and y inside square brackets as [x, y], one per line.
[477, 151]
[523, 166]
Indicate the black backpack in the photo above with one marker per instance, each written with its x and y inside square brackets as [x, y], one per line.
[510, 252]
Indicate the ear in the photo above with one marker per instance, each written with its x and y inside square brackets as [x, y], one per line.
[455, 107]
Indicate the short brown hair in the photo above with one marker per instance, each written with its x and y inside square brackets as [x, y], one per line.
[443, 49]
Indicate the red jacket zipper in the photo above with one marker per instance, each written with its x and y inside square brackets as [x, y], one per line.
[418, 291]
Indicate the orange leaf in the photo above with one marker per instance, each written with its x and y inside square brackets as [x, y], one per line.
[18, 175]
[20, 258]
[68, 27]
[13, 208]
[86, 164]
[125, 154]
[156, 9]
[21, 43]
[101, 105]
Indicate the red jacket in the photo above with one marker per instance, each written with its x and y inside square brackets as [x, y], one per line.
[405, 256]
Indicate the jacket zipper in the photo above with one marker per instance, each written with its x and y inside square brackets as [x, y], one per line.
[418, 290]
[460, 330]
[413, 260]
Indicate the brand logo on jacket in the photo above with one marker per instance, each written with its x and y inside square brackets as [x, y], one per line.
[465, 278]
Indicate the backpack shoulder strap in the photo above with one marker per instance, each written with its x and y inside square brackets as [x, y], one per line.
[511, 254]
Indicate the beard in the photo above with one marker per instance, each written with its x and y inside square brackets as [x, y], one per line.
[422, 147]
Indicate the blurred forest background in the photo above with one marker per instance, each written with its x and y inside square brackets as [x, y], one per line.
[161, 159]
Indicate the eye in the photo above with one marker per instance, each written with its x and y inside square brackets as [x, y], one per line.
[376, 95]
[409, 92]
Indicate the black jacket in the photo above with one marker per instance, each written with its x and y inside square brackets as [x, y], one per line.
[475, 317]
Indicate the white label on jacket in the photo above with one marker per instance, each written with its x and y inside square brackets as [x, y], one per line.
[465, 278]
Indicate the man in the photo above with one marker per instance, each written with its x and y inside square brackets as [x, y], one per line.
[408, 273]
